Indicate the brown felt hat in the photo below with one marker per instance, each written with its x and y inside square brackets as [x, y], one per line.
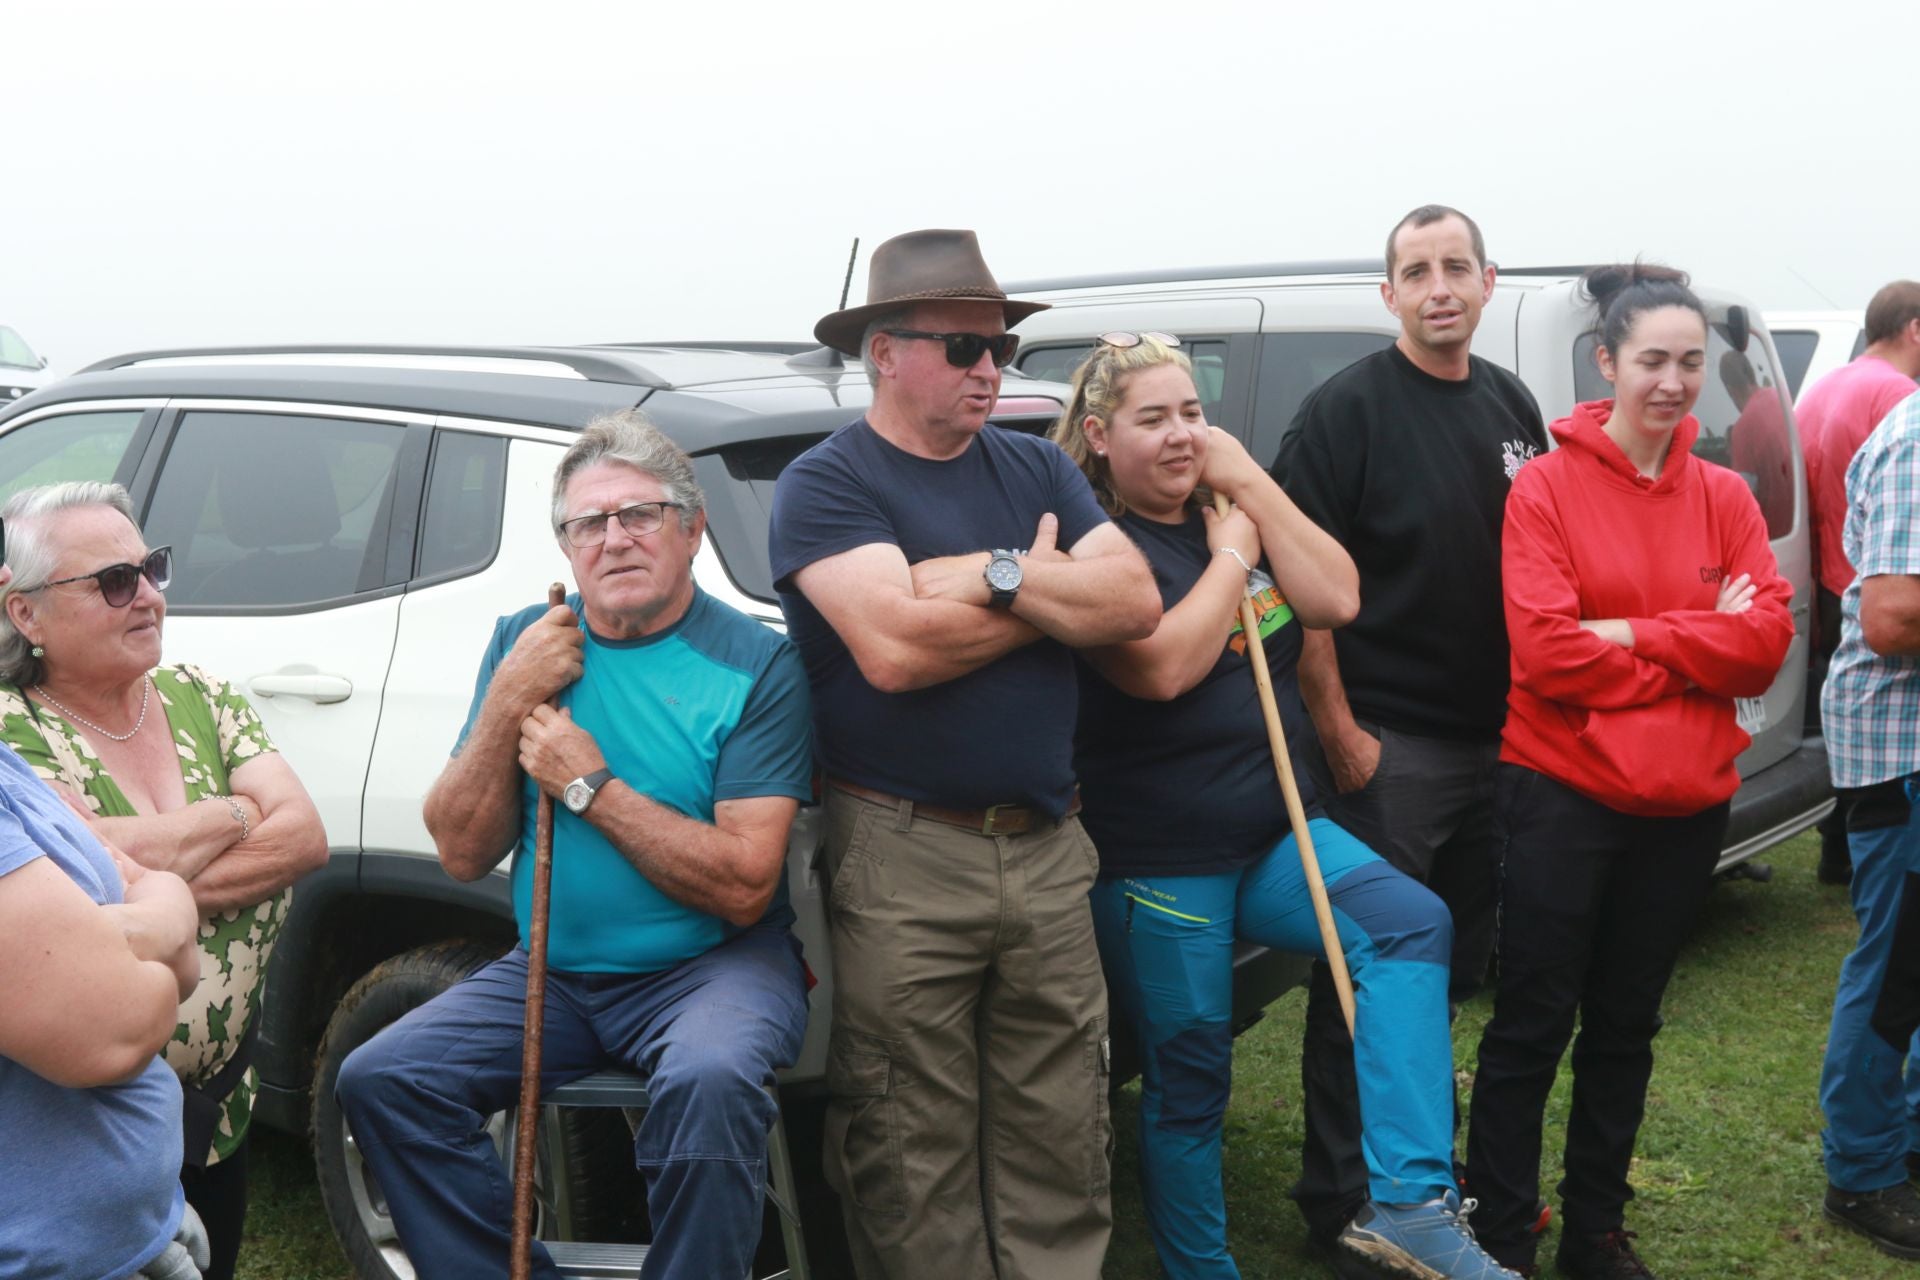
[920, 266]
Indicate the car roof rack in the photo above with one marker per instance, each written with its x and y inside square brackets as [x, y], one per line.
[571, 362]
[1173, 275]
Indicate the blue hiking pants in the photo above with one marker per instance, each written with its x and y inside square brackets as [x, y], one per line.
[1167, 944]
[1869, 1092]
[708, 1033]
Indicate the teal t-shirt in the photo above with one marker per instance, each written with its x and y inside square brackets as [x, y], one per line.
[713, 708]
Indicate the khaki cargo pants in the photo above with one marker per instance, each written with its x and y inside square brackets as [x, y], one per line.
[967, 1130]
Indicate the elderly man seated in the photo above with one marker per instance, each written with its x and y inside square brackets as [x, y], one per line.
[680, 750]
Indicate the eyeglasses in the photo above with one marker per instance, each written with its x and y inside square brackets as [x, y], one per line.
[120, 582]
[639, 520]
[965, 349]
[1123, 339]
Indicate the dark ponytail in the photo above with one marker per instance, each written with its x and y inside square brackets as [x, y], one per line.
[1622, 291]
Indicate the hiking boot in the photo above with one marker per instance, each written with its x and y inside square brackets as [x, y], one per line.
[1889, 1217]
[1542, 1211]
[1606, 1257]
[1429, 1241]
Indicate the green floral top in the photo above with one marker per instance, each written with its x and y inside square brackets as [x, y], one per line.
[216, 731]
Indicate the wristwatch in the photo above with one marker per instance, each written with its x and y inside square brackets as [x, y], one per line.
[580, 792]
[1003, 574]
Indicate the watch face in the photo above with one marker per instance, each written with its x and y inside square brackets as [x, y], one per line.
[577, 796]
[1003, 573]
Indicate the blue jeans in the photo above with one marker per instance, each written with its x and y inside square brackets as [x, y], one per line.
[1867, 1091]
[708, 1034]
[1167, 944]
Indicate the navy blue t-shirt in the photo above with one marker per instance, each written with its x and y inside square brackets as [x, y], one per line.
[1000, 735]
[1187, 787]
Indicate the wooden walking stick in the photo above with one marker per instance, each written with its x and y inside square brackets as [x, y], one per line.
[529, 1117]
[1296, 812]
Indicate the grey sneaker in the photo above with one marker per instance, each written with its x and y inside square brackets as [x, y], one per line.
[1889, 1217]
[1421, 1241]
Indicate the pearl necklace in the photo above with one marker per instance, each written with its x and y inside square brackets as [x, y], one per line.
[146, 689]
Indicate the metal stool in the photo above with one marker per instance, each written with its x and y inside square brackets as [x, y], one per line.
[622, 1261]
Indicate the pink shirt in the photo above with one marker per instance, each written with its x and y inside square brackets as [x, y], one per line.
[1836, 415]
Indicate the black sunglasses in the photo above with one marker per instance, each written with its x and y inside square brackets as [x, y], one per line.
[1123, 339]
[965, 349]
[119, 582]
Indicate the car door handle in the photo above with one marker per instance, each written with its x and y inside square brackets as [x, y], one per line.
[318, 688]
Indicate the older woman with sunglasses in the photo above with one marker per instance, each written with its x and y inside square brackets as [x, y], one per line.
[1195, 846]
[171, 766]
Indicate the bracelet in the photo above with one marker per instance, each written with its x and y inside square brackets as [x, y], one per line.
[239, 816]
[1234, 552]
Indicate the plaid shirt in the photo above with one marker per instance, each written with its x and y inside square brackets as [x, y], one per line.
[1871, 705]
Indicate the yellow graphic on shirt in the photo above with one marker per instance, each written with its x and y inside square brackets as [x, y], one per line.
[1269, 606]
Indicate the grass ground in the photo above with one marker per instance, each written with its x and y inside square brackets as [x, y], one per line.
[1728, 1174]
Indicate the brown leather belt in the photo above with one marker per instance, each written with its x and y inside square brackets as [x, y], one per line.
[994, 820]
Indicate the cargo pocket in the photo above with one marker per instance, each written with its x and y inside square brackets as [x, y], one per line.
[1100, 1132]
[850, 824]
[862, 1129]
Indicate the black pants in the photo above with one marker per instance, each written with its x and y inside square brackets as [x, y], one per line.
[1833, 827]
[218, 1193]
[1428, 810]
[1594, 906]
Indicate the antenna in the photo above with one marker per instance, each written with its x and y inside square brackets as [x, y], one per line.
[827, 357]
[1796, 275]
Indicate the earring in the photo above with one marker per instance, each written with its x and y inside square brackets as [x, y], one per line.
[38, 652]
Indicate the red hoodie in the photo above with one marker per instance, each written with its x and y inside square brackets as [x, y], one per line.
[1649, 730]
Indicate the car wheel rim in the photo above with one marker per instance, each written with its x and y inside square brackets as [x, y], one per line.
[370, 1209]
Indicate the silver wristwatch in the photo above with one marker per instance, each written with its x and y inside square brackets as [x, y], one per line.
[581, 791]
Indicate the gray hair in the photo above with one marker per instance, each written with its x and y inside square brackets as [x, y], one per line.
[629, 437]
[896, 319]
[32, 555]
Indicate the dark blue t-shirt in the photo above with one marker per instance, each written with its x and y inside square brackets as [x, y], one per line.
[1000, 735]
[1187, 787]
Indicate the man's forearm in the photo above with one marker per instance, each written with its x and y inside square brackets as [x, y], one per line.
[1321, 687]
[1107, 599]
[473, 809]
[940, 640]
[695, 863]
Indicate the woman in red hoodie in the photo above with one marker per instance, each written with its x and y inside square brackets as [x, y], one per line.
[1641, 600]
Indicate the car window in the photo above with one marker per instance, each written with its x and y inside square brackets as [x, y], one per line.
[1209, 357]
[266, 509]
[67, 446]
[460, 530]
[1796, 353]
[15, 351]
[1292, 365]
[1743, 419]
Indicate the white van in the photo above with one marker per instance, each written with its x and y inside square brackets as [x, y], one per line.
[1263, 337]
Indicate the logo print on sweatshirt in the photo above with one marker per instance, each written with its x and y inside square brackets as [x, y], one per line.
[1515, 454]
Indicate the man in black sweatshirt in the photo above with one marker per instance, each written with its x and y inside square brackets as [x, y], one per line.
[1406, 457]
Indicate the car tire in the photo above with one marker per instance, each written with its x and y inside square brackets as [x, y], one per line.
[586, 1186]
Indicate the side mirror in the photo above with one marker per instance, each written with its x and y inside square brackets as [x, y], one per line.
[1737, 328]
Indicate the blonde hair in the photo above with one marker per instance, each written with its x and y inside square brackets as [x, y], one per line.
[1099, 388]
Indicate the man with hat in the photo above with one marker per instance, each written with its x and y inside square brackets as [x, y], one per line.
[934, 571]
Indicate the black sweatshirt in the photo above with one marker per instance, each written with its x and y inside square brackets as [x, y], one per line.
[1410, 473]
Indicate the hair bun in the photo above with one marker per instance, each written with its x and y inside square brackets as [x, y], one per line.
[1602, 284]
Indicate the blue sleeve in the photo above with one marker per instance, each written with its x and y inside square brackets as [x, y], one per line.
[770, 751]
[1073, 502]
[16, 848]
[503, 635]
[820, 509]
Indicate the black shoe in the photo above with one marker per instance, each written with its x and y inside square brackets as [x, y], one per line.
[1890, 1217]
[1913, 1166]
[1607, 1257]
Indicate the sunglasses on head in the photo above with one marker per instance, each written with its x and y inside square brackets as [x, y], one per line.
[1123, 339]
[120, 582]
[965, 349]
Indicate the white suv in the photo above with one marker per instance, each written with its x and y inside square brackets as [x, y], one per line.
[1263, 337]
